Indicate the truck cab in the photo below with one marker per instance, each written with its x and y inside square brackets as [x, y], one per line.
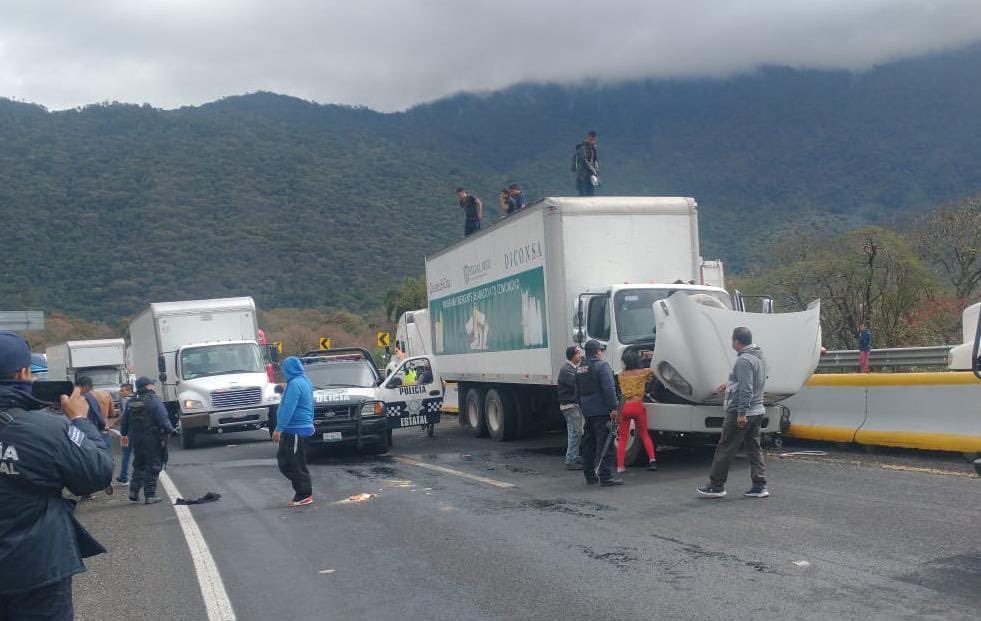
[217, 388]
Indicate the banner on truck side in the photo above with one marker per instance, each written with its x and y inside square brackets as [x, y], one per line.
[504, 315]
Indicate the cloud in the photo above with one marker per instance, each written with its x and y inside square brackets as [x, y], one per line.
[390, 54]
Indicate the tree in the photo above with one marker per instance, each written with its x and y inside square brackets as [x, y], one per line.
[870, 274]
[949, 240]
[409, 295]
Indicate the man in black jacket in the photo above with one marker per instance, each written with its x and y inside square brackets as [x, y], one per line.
[569, 405]
[41, 452]
[599, 403]
[585, 164]
[146, 427]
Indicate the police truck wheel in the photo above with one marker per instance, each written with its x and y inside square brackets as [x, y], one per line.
[501, 414]
[635, 455]
[474, 413]
[187, 439]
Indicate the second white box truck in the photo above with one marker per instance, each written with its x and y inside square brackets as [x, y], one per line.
[208, 364]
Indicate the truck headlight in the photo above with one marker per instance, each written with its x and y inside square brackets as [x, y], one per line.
[192, 404]
[372, 408]
[671, 377]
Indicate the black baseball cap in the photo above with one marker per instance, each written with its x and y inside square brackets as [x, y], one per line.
[594, 345]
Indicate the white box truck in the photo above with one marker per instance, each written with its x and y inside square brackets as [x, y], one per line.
[101, 360]
[505, 303]
[208, 364]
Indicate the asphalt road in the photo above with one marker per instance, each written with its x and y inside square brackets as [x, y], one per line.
[849, 535]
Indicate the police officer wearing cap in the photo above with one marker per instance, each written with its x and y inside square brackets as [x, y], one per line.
[146, 427]
[42, 452]
[598, 402]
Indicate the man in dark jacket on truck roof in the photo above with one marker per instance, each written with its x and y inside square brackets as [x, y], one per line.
[41, 452]
[598, 400]
[743, 419]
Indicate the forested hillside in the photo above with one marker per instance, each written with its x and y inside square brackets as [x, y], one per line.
[112, 206]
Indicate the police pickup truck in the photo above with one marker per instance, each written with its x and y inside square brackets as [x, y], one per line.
[355, 406]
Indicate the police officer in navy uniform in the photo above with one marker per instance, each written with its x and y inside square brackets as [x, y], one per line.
[599, 404]
[41, 452]
[146, 427]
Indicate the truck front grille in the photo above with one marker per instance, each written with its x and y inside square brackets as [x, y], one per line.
[236, 397]
[333, 412]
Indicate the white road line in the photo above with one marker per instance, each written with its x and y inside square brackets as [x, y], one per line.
[216, 602]
[456, 473]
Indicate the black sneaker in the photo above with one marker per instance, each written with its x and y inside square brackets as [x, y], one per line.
[758, 491]
[591, 480]
[134, 497]
[573, 466]
[611, 482]
[109, 491]
[712, 491]
[652, 465]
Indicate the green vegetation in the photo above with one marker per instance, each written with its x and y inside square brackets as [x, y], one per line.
[112, 206]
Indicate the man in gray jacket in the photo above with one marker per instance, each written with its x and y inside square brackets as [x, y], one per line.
[744, 416]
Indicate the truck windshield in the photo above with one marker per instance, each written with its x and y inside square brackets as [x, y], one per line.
[346, 374]
[634, 310]
[220, 360]
[101, 377]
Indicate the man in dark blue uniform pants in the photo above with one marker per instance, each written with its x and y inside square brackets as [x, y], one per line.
[41, 452]
[598, 402]
[146, 427]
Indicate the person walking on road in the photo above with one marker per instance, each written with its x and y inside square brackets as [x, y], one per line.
[633, 385]
[585, 164]
[568, 394]
[294, 424]
[473, 211]
[146, 427]
[743, 418]
[100, 411]
[42, 544]
[598, 400]
[864, 347]
[125, 451]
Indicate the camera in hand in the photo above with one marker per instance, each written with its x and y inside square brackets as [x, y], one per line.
[50, 391]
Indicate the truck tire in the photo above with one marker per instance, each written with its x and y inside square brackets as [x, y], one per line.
[377, 449]
[635, 455]
[501, 414]
[272, 422]
[474, 413]
[187, 438]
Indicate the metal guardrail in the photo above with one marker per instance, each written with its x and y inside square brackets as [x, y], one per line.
[938, 356]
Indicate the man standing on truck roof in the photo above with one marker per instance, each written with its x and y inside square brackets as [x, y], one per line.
[473, 210]
[569, 405]
[598, 400]
[294, 424]
[585, 163]
[743, 406]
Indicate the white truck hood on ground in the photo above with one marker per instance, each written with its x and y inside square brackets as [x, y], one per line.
[697, 341]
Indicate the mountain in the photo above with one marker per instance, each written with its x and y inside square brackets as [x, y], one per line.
[111, 206]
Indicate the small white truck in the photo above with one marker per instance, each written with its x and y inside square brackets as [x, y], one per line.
[101, 360]
[209, 367]
[504, 304]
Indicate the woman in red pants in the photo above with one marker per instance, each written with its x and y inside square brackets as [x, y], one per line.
[633, 385]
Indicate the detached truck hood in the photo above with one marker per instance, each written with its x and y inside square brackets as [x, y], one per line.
[694, 343]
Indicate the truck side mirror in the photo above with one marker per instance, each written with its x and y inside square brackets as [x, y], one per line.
[162, 377]
[578, 336]
[161, 364]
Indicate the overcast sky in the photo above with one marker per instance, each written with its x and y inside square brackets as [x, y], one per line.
[391, 54]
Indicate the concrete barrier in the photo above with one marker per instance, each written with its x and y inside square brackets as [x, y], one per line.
[930, 411]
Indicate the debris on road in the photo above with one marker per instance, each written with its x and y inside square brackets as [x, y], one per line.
[802, 563]
[327, 571]
[209, 497]
[803, 454]
[359, 498]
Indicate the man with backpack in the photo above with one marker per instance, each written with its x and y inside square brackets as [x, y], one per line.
[146, 427]
[585, 164]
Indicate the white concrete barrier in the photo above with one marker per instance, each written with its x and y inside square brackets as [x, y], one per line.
[930, 411]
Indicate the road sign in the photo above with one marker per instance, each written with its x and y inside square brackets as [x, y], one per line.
[325, 343]
[18, 321]
[384, 339]
[278, 345]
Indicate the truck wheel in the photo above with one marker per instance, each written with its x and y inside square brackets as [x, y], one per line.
[500, 413]
[474, 413]
[272, 423]
[377, 449]
[187, 439]
[634, 455]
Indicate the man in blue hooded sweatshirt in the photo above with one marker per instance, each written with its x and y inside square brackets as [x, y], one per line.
[294, 424]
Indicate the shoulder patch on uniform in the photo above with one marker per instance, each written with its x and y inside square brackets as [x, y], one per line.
[75, 435]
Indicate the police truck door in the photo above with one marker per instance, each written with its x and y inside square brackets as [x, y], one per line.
[413, 394]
